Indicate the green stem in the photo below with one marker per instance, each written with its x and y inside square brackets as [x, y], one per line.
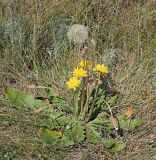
[75, 59]
[86, 105]
[76, 103]
[109, 108]
[93, 104]
[83, 96]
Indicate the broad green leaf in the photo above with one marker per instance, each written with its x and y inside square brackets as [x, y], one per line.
[109, 143]
[38, 104]
[93, 136]
[76, 132]
[118, 147]
[66, 142]
[135, 123]
[21, 99]
[64, 120]
[113, 101]
[100, 120]
[52, 113]
[50, 123]
[130, 124]
[113, 145]
[28, 101]
[50, 137]
[121, 117]
[109, 128]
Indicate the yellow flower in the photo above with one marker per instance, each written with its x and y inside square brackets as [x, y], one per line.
[101, 68]
[85, 63]
[73, 83]
[79, 72]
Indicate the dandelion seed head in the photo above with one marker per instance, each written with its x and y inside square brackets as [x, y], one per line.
[77, 33]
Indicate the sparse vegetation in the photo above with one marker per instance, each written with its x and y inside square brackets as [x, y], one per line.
[36, 57]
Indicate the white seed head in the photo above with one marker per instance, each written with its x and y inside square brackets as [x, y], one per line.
[77, 33]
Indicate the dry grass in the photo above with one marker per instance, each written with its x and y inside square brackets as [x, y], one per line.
[34, 49]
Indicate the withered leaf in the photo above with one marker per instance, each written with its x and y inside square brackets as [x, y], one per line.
[115, 123]
[129, 113]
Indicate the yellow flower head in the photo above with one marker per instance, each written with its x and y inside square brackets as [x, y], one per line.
[85, 63]
[101, 68]
[73, 83]
[79, 72]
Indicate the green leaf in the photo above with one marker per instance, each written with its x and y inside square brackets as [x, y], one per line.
[66, 142]
[103, 122]
[101, 102]
[113, 145]
[76, 132]
[50, 123]
[136, 123]
[109, 143]
[93, 136]
[54, 114]
[38, 104]
[58, 100]
[113, 101]
[100, 91]
[121, 118]
[64, 120]
[50, 137]
[118, 147]
[21, 99]
[54, 97]
[100, 120]
[51, 93]
[130, 124]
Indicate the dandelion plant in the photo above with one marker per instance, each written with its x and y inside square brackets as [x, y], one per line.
[87, 115]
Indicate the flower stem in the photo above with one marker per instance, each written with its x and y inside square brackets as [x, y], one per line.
[75, 58]
[76, 103]
[109, 108]
[93, 104]
[83, 96]
[86, 105]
